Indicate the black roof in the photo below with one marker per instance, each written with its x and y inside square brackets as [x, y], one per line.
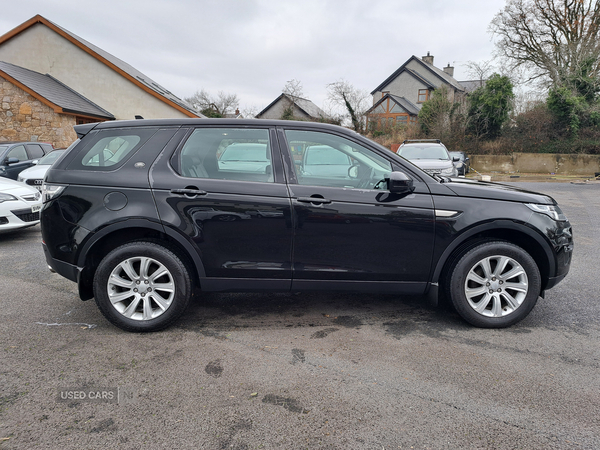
[54, 91]
[81, 130]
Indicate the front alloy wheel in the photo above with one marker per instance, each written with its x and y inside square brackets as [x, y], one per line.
[494, 284]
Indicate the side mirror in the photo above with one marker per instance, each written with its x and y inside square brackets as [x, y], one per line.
[12, 160]
[399, 183]
[353, 171]
[456, 159]
[35, 162]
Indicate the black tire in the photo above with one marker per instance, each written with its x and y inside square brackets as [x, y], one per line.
[494, 284]
[150, 287]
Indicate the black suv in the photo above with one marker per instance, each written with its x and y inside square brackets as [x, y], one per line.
[18, 156]
[143, 213]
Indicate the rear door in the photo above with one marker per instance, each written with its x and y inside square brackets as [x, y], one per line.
[349, 231]
[235, 212]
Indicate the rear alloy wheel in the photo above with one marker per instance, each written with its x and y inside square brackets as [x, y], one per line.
[142, 286]
[494, 285]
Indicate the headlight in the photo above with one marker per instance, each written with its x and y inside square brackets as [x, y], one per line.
[448, 171]
[49, 191]
[549, 210]
[7, 198]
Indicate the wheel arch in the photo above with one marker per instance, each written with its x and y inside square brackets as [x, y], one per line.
[517, 233]
[116, 234]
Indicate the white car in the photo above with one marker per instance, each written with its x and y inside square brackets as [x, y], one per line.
[20, 205]
[34, 176]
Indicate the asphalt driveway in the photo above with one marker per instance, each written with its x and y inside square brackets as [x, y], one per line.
[293, 371]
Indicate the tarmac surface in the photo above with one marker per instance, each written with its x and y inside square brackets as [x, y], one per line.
[302, 371]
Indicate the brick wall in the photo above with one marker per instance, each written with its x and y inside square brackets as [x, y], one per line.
[24, 118]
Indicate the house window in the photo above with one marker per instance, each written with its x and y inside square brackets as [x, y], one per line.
[423, 95]
[403, 119]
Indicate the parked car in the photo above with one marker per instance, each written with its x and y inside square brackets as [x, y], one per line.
[245, 156]
[34, 176]
[323, 159]
[19, 205]
[430, 155]
[128, 229]
[463, 164]
[18, 156]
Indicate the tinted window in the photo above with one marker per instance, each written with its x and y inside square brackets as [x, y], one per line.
[35, 151]
[18, 152]
[50, 158]
[322, 159]
[227, 153]
[109, 149]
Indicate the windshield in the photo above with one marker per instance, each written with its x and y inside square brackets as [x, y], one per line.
[50, 158]
[424, 152]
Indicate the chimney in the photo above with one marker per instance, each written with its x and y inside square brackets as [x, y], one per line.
[428, 59]
[237, 111]
[449, 70]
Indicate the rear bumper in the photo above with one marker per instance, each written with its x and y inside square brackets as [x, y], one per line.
[67, 270]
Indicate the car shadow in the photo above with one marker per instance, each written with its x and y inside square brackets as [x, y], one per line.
[213, 314]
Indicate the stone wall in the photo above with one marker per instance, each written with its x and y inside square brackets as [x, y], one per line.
[24, 118]
[572, 164]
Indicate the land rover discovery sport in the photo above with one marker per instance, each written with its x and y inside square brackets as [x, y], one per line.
[142, 213]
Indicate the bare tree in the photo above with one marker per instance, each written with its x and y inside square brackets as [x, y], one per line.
[552, 39]
[214, 106]
[293, 90]
[479, 71]
[353, 100]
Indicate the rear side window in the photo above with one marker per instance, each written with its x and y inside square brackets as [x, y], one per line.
[35, 151]
[109, 149]
[227, 154]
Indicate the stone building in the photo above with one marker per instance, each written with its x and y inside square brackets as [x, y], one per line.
[70, 81]
[38, 107]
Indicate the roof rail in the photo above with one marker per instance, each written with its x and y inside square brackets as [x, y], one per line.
[421, 140]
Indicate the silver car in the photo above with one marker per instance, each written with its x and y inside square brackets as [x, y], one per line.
[430, 155]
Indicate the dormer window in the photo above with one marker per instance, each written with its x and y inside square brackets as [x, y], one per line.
[423, 95]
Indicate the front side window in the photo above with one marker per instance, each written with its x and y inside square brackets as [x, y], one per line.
[228, 154]
[322, 159]
[18, 152]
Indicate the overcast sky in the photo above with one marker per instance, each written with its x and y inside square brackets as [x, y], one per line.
[253, 47]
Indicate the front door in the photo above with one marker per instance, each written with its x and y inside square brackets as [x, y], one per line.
[347, 227]
[227, 195]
